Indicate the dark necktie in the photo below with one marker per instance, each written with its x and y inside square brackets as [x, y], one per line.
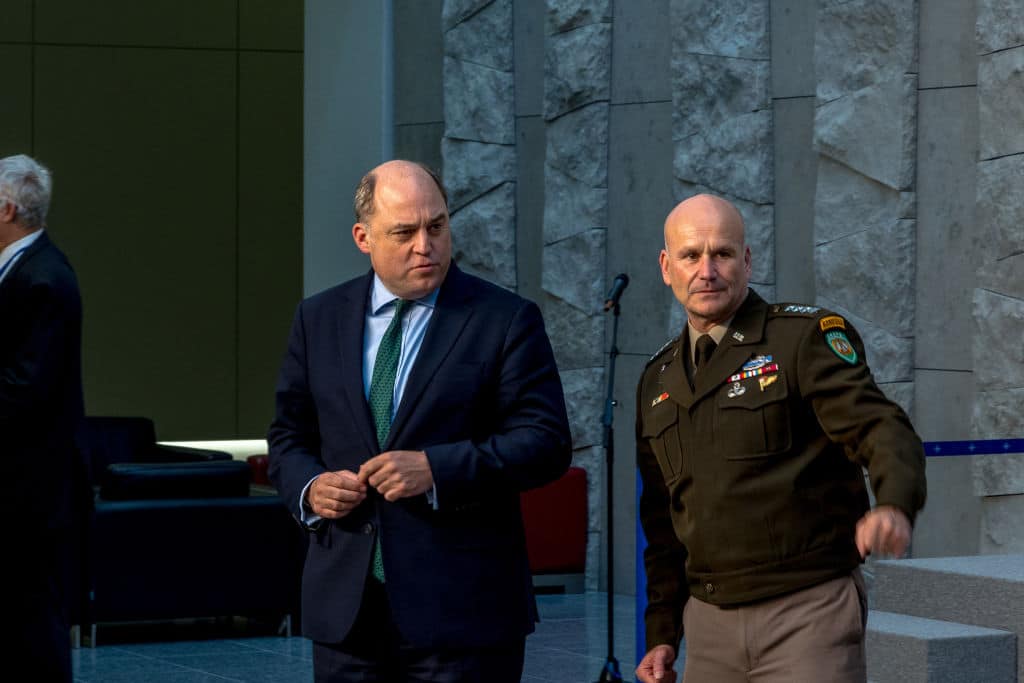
[704, 348]
[382, 393]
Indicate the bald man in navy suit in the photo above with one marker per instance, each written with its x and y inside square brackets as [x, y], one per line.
[416, 568]
[40, 412]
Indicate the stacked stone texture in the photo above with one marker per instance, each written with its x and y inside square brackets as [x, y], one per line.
[865, 54]
[577, 80]
[722, 118]
[478, 148]
[999, 296]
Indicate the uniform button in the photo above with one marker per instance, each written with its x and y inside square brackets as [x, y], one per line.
[709, 588]
[367, 528]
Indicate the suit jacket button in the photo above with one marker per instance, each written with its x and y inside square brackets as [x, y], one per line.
[710, 588]
[367, 528]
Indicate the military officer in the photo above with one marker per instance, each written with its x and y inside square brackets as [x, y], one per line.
[753, 427]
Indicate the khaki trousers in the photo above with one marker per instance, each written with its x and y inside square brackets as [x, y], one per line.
[815, 635]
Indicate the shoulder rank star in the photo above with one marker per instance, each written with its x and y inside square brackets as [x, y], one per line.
[660, 398]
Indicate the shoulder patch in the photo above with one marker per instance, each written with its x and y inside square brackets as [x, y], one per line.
[831, 322]
[794, 309]
[841, 346]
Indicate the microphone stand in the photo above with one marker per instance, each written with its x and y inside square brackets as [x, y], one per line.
[610, 672]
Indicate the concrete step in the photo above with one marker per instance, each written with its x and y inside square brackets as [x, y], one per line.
[980, 590]
[905, 649]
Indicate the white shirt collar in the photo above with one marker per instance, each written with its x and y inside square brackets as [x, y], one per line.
[19, 244]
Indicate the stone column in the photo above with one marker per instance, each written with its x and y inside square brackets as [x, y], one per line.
[577, 78]
[722, 119]
[478, 147]
[865, 132]
[999, 297]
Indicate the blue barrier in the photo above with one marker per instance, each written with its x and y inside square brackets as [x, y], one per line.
[932, 449]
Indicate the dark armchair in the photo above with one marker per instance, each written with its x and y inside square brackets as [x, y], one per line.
[180, 533]
[108, 440]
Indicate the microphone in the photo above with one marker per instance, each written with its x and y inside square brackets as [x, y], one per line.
[618, 286]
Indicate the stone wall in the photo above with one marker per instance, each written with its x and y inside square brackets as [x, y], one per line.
[848, 132]
[999, 296]
[478, 148]
[865, 130]
[577, 81]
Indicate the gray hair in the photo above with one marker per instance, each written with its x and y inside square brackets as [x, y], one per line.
[26, 183]
[363, 206]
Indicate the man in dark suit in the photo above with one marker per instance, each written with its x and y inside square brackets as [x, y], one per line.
[402, 442]
[40, 411]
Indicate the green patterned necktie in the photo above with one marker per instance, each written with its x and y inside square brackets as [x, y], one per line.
[382, 392]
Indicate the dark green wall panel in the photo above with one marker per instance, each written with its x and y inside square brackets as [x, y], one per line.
[177, 160]
[170, 23]
[142, 144]
[15, 21]
[270, 226]
[16, 103]
[270, 24]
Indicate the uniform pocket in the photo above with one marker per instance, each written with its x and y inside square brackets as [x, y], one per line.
[661, 431]
[751, 421]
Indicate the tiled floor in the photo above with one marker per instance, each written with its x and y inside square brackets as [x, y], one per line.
[569, 646]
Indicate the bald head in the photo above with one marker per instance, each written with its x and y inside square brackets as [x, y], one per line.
[706, 261]
[706, 210]
[394, 171]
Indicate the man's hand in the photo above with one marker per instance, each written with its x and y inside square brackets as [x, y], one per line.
[656, 666]
[398, 474]
[884, 530]
[333, 495]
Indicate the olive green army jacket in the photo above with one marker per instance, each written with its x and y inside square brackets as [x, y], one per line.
[752, 479]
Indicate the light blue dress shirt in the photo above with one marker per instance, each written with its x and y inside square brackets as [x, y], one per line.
[379, 314]
[380, 310]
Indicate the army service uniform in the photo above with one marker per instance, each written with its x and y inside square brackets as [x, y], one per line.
[752, 479]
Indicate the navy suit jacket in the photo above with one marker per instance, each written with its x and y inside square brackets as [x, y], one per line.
[40, 389]
[484, 401]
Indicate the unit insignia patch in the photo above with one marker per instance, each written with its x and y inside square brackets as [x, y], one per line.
[840, 344]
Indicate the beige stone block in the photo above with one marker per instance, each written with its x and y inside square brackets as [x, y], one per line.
[483, 235]
[1001, 530]
[873, 130]
[998, 474]
[1000, 106]
[577, 69]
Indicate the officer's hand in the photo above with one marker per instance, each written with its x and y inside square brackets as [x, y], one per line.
[398, 474]
[656, 666]
[335, 494]
[884, 530]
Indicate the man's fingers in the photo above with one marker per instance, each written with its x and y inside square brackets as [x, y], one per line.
[335, 494]
[656, 665]
[885, 530]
